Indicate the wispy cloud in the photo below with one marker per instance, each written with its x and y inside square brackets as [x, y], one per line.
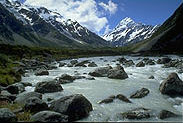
[110, 6]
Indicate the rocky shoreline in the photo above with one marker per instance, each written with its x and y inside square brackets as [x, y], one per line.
[77, 106]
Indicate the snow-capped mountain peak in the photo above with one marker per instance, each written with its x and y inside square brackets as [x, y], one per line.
[128, 31]
[126, 21]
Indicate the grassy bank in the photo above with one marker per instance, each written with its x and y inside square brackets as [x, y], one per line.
[10, 53]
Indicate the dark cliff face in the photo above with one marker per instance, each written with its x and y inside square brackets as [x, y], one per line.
[172, 39]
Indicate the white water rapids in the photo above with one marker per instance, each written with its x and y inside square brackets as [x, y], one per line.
[102, 87]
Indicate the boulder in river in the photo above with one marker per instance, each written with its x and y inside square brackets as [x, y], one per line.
[22, 97]
[140, 93]
[73, 62]
[140, 64]
[49, 116]
[139, 113]
[172, 85]
[100, 72]
[6, 96]
[117, 73]
[34, 104]
[82, 63]
[61, 64]
[151, 77]
[41, 72]
[123, 98]
[6, 115]
[13, 89]
[166, 114]
[108, 100]
[163, 60]
[48, 87]
[67, 77]
[92, 64]
[75, 106]
[150, 62]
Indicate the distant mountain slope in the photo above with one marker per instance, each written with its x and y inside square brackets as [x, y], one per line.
[38, 26]
[128, 32]
[169, 37]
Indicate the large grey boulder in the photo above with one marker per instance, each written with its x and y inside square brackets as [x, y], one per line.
[139, 113]
[75, 106]
[140, 93]
[117, 73]
[100, 72]
[48, 87]
[34, 104]
[6, 115]
[21, 98]
[172, 85]
[49, 116]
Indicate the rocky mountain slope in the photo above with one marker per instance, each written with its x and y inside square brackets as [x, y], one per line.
[38, 26]
[168, 38]
[128, 31]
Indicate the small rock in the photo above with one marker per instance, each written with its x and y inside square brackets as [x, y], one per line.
[112, 96]
[92, 64]
[13, 89]
[166, 114]
[67, 77]
[69, 65]
[6, 115]
[48, 87]
[163, 60]
[151, 77]
[22, 97]
[73, 62]
[123, 98]
[90, 78]
[41, 72]
[139, 113]
[34, 104]
[108, 100]
[49, 116]
[26, 84]
[140, 93]
[61, 64]
[140, 64]
[100, 72]
[82, 63]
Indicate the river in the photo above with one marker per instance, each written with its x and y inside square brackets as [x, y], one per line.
[102, 87]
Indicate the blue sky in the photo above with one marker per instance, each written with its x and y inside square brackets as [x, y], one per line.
[102, 15]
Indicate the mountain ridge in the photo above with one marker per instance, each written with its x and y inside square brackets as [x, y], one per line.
[44, 27]
[128, 32]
